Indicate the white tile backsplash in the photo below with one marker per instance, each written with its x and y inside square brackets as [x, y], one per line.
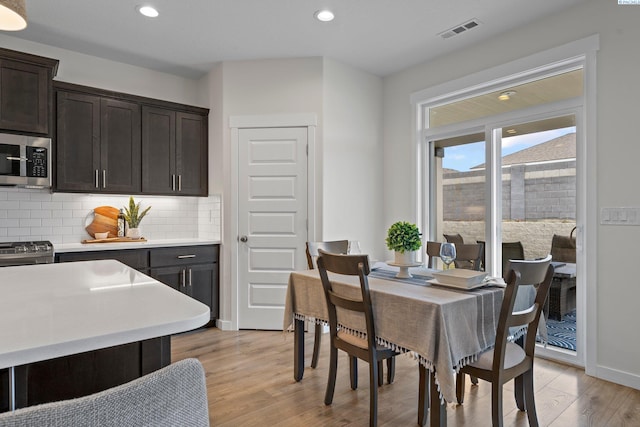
[27, 214]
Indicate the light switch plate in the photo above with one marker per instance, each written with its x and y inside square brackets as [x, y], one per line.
[620, 216]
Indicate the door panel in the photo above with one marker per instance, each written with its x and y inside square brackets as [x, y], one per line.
[272, 212]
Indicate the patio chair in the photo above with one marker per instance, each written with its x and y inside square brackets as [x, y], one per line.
[468, 256]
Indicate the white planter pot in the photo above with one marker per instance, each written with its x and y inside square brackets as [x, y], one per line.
[405, 258]
[134, 233]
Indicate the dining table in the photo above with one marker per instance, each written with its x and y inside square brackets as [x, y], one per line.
[443, 327]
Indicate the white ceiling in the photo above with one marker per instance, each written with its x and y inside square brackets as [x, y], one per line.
[190, 36]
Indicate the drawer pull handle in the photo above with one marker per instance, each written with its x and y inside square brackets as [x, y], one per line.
[186, 256]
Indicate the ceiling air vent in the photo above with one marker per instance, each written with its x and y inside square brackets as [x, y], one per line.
[459, 29]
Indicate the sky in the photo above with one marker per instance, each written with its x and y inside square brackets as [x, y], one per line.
[464, 157]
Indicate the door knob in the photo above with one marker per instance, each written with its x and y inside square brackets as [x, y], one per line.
[243, 238]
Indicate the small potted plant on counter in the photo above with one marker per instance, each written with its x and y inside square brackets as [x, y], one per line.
[404, 238]
[133, 216]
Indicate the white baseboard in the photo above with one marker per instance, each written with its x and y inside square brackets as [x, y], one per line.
[619, 377]
[224, 325]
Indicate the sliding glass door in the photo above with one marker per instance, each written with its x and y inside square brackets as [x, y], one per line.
[512, 186]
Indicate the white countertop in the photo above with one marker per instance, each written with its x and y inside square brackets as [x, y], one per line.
[155, 243]
[53, 310]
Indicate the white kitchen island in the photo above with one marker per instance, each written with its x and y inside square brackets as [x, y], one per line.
[103, 315]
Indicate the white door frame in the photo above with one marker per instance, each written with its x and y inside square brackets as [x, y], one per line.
[230, 231]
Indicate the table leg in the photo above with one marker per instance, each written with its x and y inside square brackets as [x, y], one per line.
[438, 408]
[298, 349]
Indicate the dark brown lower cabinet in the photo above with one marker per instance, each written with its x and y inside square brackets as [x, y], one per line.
[85, 373]
[195, 280]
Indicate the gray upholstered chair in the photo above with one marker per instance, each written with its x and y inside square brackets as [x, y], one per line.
[175, 395]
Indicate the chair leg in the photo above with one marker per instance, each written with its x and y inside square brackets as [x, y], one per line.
[373, 390]
[316, 345]
[423, 395]
[460, 387]
[391, 369]
[380, 374]
[518, 392]
[496, 404]
[530, 401]
[333, 370]
[353, 372]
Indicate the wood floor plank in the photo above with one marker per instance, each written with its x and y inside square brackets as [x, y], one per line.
[250, 383]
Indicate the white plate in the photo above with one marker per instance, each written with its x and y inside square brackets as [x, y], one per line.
[498, 282]
[451, 285]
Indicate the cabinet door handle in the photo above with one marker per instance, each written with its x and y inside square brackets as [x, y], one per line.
[184, 278]
[173, 182]
[190, 282]
[186, 256]
[179, 182]
[104, 178]
[97, 179]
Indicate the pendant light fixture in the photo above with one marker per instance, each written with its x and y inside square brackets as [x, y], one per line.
[13, 15]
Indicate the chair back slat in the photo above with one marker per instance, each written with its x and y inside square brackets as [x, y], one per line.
[351, 265]
[522, 318]
[346, 303]
[334, 247]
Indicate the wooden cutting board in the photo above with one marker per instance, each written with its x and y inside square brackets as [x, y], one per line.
[115, 240]
[105, 220]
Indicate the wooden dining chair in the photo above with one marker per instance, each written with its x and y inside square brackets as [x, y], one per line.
[468, 256]
[334, 247]
[356, 347]
[507, 360]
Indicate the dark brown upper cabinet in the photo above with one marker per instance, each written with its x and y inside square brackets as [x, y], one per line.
[174, 152]
[26, 92]
[98, 144]
[110, 142]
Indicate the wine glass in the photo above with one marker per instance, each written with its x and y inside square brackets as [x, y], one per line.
[447, 253]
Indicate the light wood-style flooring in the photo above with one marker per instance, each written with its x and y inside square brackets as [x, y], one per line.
[250, 383]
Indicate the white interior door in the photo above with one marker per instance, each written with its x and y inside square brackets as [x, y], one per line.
[272, 220]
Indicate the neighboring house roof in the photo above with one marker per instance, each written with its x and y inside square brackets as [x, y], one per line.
[561, 148]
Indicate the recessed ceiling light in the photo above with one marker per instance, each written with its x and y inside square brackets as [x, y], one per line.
[505, 96]
[148, 11]
[324, 15]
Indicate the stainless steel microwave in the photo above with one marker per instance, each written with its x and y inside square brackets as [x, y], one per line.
[25, 161]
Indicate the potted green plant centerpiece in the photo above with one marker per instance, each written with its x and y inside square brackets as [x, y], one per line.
[404, 238]
[133, 215]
